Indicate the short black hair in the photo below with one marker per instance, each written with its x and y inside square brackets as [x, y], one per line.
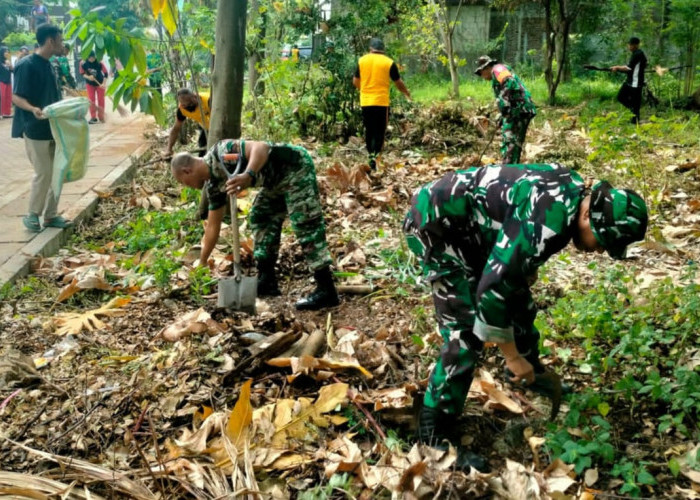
[184, 91]
[46, 31]
[376, 44]
[634, 41]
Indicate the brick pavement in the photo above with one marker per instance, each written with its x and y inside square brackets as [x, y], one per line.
[111, 145]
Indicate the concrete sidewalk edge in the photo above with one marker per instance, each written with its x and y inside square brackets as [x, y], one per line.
[50, 240]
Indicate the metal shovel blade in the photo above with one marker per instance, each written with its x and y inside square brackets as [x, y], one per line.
[238, 294]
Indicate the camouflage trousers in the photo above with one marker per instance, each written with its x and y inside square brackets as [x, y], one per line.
[296, 194]
[454, 285]
[513, 133]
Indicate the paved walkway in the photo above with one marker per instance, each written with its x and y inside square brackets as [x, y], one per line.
[111, 144]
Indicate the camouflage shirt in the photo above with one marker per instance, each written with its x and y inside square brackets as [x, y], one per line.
[503, 222]
[223, 158]
[514, 100]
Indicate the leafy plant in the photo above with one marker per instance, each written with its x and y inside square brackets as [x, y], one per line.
[338, 483]
[201, 283]
[16, 39]
[157, 230]
[641, 335]
[104, 35]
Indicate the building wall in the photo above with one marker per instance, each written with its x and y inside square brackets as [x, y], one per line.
[525, 32]
[480, 24]
[472, 32]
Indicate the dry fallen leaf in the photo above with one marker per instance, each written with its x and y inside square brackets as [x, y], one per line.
[74, 323]
[308, 365]
[89, 282]
[198, 321]
[590, 477]
[241, 416]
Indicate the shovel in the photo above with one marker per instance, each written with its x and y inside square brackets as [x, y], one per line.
[237, 292]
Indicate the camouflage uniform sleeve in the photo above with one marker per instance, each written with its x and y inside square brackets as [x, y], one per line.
[215, 159]
[530, 234]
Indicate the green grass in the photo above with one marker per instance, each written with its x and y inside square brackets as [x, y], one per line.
[429, 88]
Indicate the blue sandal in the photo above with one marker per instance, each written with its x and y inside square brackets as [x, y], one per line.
[58, 222]
[31, 222]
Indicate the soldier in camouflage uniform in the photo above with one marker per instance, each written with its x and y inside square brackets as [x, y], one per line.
[286, 177]
[480, 235]
[514, 103]
[62, 68]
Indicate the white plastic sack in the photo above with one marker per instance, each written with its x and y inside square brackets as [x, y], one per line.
[70, 131]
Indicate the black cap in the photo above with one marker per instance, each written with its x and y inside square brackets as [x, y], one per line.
[376, 44]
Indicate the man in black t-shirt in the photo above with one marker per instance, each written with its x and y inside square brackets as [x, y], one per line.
[630, 94]
[36, 86]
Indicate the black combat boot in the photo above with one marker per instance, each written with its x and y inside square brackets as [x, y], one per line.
[267, 279]
[325, 294]
[436, 429]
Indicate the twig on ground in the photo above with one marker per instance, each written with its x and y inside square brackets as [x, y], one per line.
[139, 421]
[31, 421]
[9, 398]
[77, 424]
[159, 457]
[528, 405]
[352, 395]
[133, 439]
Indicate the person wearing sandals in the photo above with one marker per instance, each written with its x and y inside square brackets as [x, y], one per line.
[35, 87]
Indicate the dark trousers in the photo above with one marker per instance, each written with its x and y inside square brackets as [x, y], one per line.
[375, 119]
[631, 98]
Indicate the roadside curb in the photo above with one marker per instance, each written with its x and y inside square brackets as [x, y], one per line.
[50, 240]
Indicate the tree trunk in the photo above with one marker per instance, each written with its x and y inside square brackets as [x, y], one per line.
[454, 76]
[557, 43]
[443, 23]
[562, 54]
[257, 55]
[227, 79]
[549, 50]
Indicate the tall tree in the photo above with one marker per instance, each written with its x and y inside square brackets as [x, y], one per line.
[258, 22]
[685, 32]
[227, 80]
[559, 17]
[446, 27]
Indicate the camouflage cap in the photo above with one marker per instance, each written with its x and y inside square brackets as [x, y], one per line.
[482, 63]
[618, 218]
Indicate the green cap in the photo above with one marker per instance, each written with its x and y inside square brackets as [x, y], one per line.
[618, 218]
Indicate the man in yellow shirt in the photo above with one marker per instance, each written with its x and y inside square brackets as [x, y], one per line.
[373, 76]
[195, 107]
